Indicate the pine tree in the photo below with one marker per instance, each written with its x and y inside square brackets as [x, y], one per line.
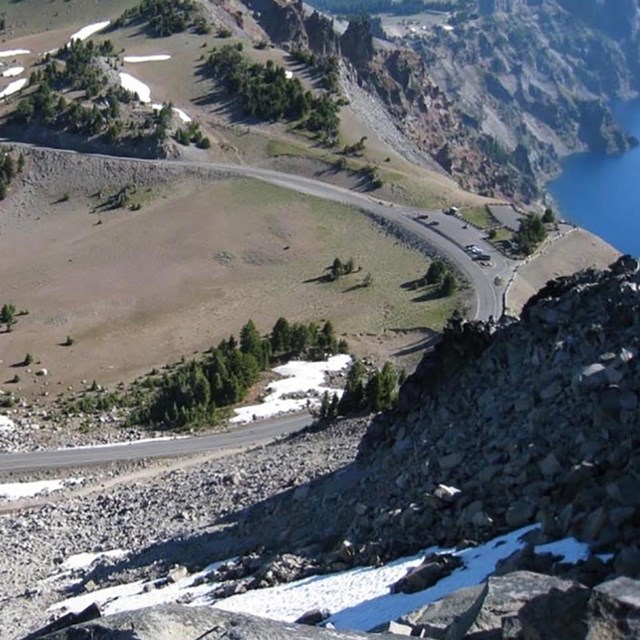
[8, 316]
[436, 272]
[449, 284]
[281, 336]
[251, 341]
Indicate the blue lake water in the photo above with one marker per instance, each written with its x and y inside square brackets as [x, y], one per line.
[602, 193]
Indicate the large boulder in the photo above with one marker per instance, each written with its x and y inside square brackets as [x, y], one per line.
[175, 622]
[548, 607]
[614, 610]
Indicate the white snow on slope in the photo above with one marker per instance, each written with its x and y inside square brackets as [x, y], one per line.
[13, 87]
[12, 72]
[85, 560]
[16, 490]
[13, 52]
[299, 377]
[358, 599]
[159, 57]
[136, 86]
[182, 115]
[7, 424]
[156, 106]
[89, 30]
[132, 596]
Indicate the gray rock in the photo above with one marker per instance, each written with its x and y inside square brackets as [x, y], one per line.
[591, 377]
[425, 575]
[175, 622]
[519, 513]
[614, 610]
[531, 597]
[550, 466]
[449, 618]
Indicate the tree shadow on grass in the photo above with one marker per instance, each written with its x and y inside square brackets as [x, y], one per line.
[428, 296]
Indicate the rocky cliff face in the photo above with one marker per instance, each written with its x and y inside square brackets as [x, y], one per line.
[502, 97]
[537, 77]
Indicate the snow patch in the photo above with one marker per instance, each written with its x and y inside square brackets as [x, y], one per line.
[157, 106]
[17, 490]
[7, 424]
[13, 87]
[12, 72]
[85, 560]
[152, 58]
[299, 378]
[569, 549]
[358, 598]
[141, 594]
[13, 52]
[182, 115]
[135, 86]
[89, 30]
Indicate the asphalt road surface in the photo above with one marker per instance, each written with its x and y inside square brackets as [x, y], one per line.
[239, 437]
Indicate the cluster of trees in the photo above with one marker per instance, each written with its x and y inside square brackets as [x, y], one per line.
[166, 17]
[265, 92]
[328, 67]
[196, 393]
[192, 134]
[75, 69]
[8, 169]
[530, 234]
[438, 274]
[356, 148]
[376, 392]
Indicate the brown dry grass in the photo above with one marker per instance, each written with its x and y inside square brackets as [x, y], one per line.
[147, 287]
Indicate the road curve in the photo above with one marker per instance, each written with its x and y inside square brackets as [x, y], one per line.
[239, 437]
[447, 237]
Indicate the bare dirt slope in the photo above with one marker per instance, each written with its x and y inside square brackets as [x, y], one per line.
[137, 289]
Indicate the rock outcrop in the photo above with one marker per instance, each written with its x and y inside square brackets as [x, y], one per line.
[175, 622]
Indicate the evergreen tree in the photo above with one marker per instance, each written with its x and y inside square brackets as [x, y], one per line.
[436, 272]
[353, 396]
[251, 340]
[281, 336]
[449, 284]
[8, 316]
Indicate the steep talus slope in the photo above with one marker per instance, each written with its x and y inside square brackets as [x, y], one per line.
[534, 420]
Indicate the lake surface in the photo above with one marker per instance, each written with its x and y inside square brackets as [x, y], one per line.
[602, 193]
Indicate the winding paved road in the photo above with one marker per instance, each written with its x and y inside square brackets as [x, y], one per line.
[245, 436]
[447, 237]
